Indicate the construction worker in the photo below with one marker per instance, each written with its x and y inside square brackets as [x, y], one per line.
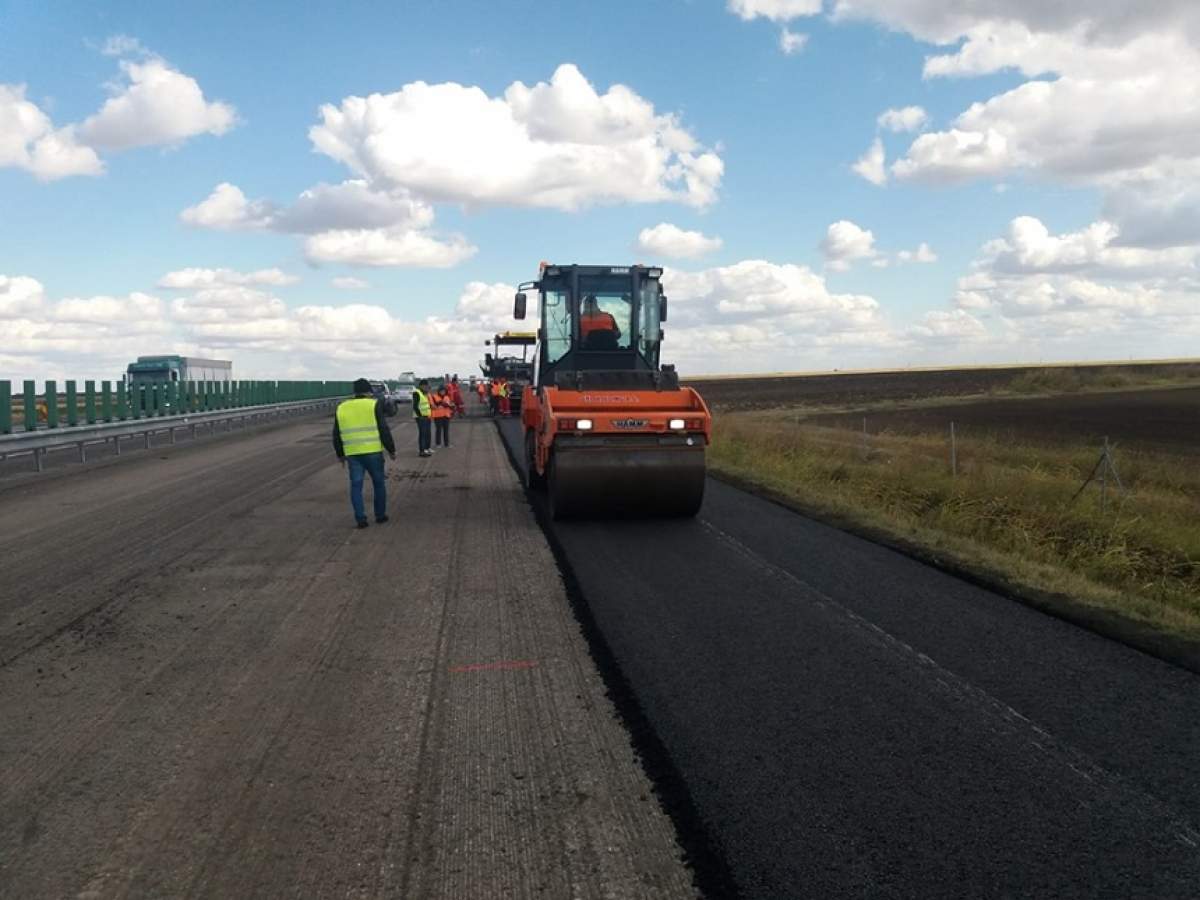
[593, 318]
[456, 395]
[360, 435]
[442, 408]
[495, 396]
[505, 400]
[422, 410]
[481, 389]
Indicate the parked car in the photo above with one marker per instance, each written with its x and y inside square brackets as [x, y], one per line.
[384, 396]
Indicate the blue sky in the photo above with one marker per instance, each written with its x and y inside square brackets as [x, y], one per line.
[787, 128]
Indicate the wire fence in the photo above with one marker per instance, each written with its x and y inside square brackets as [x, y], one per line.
[961, 456]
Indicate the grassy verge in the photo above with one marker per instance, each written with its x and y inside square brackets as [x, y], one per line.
[1063, 380]
[1008, 514]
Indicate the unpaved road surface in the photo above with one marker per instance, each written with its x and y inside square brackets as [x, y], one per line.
[211, 685]
[853, 388]
[851, 723]
[1159, 419]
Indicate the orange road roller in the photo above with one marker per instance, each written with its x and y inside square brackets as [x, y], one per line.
[608, 430]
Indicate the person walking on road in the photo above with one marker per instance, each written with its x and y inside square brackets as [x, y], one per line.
[442, 408]
[495, 396]
[422, 409]
[481, 389]
[460, 408]
[360, 437]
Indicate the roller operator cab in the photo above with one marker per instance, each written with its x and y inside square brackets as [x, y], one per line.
[608, 430]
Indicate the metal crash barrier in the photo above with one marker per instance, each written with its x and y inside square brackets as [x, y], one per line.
[42, 441]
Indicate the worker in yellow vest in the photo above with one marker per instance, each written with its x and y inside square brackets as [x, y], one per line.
[360, 435]
[422, 412]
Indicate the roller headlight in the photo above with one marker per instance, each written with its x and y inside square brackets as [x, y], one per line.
[584, 425]
[677, 425]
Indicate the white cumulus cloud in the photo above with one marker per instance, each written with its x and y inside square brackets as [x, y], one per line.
[775, 10]
[387, 247]
[29, 140]
[1108, 101]
[20, 296]
[557, 144]
[923, 254]
[673, 242]
[908, 118]
[845, 243]
[871, 165]
[791, 42]
[227, 209]
[156, 105]
[198, 278]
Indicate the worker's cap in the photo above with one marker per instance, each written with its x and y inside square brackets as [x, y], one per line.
[424, 382]
[362, 386]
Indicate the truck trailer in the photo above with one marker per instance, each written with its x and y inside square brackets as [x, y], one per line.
[157, 369]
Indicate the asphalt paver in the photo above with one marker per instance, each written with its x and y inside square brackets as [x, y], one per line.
[848, 722]
[212, 685]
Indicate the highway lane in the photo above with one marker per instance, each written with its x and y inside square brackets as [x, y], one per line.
[851, 723]
[212, 685]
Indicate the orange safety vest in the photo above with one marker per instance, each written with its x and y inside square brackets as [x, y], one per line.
[441, 406]
[600, 321]
[495, 389]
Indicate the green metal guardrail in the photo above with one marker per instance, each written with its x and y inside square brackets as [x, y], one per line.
[52, 407]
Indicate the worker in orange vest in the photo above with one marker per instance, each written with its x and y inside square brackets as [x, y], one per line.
[495, 389]
[441, 409]
[481, 389]
[456, 395]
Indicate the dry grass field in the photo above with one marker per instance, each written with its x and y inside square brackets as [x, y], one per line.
[1009, 504]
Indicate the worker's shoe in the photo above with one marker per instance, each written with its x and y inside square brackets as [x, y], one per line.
[363, 523]
[381, 520]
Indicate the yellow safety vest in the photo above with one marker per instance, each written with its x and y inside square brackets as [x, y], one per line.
[357, 426]
[422, 410]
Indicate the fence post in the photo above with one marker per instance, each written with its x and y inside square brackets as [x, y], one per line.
[5, 407]
[953, 452]
[72, 403]
[51, 394]
[89, 401]
[122, 401]
[106, 401]
[1104, 479]
[29, 389]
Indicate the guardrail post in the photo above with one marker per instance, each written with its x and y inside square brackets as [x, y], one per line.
[89, 402]
[106, 412]
[72, 403]
[5, 407]
[51, 394]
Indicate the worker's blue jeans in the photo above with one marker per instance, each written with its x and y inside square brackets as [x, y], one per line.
[422, 435]
[361, 465]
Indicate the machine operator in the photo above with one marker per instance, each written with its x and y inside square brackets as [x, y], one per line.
[593, 318]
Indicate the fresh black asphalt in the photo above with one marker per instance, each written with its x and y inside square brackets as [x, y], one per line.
[851, 723]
